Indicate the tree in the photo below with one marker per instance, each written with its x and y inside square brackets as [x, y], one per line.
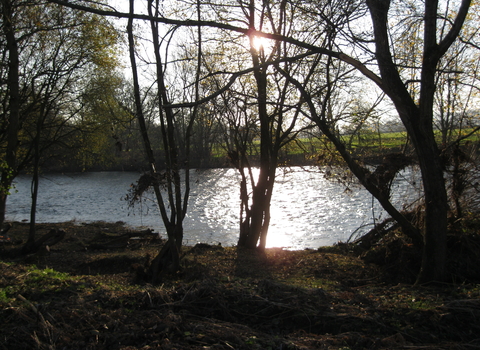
[260, 112]
[56, 48]
[173, 208]
[324, 81]
[415, 109]
[11, 103]
[107, 129]
[416, 113]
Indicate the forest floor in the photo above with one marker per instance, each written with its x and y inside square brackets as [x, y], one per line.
[82, 294]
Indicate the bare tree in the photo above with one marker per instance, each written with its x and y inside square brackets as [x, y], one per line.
[261, 114]
[173, 204]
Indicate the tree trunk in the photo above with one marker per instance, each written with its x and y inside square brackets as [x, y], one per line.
[255, 226]
[167, 261]
[10, 170]
[436, 210]
[30, 244]
[176, 203]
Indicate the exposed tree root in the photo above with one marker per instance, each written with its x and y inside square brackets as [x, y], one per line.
[45, 242]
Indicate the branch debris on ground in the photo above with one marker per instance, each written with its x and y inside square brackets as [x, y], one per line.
[82, 294]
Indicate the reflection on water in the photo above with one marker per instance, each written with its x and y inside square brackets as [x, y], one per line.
[307, 210]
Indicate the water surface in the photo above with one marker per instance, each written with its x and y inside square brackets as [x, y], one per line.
[308, 211]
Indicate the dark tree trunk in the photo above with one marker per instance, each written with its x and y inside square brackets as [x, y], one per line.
[436, 211]
[30, 244]
[10, 171]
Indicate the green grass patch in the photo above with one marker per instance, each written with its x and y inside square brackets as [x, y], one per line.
[47, 275]
[4, 296]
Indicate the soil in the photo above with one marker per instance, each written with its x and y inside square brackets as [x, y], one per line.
[83, 293]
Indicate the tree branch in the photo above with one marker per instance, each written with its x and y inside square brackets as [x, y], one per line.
[245, 31]
[456, 28]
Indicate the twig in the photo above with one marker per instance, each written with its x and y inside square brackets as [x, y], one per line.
[45, 324]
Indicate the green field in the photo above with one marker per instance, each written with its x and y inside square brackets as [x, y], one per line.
[367, 144]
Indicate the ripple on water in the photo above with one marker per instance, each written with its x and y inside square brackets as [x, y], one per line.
[307, 210]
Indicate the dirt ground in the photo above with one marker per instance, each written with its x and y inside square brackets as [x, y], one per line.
[82, 293]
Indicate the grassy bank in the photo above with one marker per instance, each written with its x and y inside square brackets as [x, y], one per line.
[372, 146]
[82, 295]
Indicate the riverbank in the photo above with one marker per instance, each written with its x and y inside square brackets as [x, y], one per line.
[81, 294]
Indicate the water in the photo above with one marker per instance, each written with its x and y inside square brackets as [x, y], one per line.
[308, 211]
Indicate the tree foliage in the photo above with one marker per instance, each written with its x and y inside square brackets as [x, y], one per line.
[52, 49]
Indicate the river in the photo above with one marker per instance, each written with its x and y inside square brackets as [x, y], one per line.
[308, 210]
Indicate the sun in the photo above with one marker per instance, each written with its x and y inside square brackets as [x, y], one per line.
[259, 43]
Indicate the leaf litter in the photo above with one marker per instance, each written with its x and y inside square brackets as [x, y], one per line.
[83, 294]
